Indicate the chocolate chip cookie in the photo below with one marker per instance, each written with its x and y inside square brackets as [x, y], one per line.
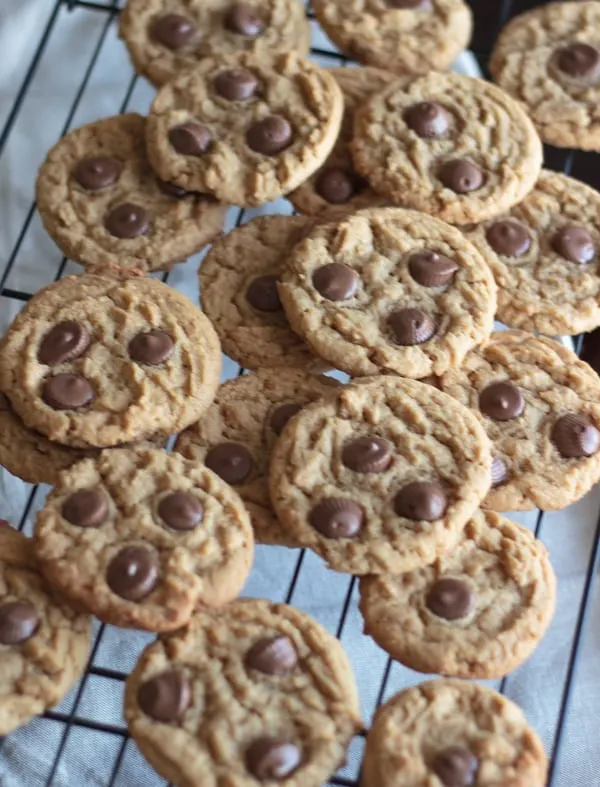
[549, 59]
[254, 693]
[245, 129]
[44, 644]
[406, 36]
[238, 292]
[91, 361]
[454, 733]
[477, 612]
[337, 184]
[380, 477]
[540, 406]
[235, 436]
[103, 205]
[389, 290]
[455, 147]
[544, 255]
[165, 38]
[141, 537]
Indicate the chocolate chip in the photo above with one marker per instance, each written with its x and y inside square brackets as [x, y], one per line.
[501, 401]
[97, 172]
[152, 347]
[428, 119]
[499, 472]
[336, 517]
[575, 436]
[133, 573]
[270, 759]
[67, 392]
[421, 501]
[245, 20]
[336, 281]
[237, 84]
[86, 508]
[431, 269]
[579, 60]
[262, 294]
[181, 511]
[411, 326]
[18, 622]
[450, 599]
[282, 414]
[336, 186]
[276, 656]
[172, 189]
[574, 244]
[165, 697]
[455, 767]
[367, 454]
[65, 342]
[462, 176]
[508, 238]
[128, 221]
[173, 30]
[270, 136]
[230, 461]
[406, 3]
[190, 139]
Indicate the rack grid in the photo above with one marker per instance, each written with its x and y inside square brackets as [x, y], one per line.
[59, 729]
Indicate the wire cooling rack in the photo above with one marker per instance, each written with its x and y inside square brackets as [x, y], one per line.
[84, 741]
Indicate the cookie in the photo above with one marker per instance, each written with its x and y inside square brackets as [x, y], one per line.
[103, 205]
[235, 436]
[337, 184]
[254, 693]
[389, 290]
[91, 361]
[549, 59]
[238, 292]
[380, 477]
[43, 642]
[540, 406]
[544, 256]
[245, 129]
[455, 147]
[477, 612]
[140, 537]
[406, 36]
[164, 38]
[454, 733]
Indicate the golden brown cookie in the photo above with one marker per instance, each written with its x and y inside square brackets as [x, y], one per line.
[141, 537]
[103, 205]
[255, 693]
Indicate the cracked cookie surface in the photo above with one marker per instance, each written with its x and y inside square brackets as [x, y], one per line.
[141, 537]
[252, 693]
[104, 206]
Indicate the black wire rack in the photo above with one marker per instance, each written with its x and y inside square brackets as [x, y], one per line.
[59, 732]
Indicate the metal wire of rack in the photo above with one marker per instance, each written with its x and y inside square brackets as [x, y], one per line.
[61, 728]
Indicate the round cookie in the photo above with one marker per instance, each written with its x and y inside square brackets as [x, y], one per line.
[254, 693]
[337, 184]
[92, 361]
[380, 477]
[406, 36]
[455, 733]
[103, 205]
[549, 59]
[544, 255]
[389, 290]
[165, 38]
[238, 292]
[243, 128]
[455, 147]
[235, 436]
[44, 644]
[477, 612]
[141, 537]
[540, 406]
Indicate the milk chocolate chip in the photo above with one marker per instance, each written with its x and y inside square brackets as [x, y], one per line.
[508, 238]
[336, 281]
[367, 454]
[421, 501]
[574, 244]
[230, 461]
[65, 342]
[455, 767]
[431, 269]
[579, 60]
[166, 697]
[270, 136]
[97, 172]
[173, 31]
[575, 436]
[282, 414]
[274, 656]
[237, 84]
[501, 401]
[462, 176]
[67, 392]
[181, 511]
[127, 221]
[262, 294]
[450, 599]
[133, 573]
[152, 348]
[86, 508]
[428, 119]
[190, 139]
[270, 759]
[336, 186]
[337, 517]
[411, 326]
[18, 622]
[245, 20]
